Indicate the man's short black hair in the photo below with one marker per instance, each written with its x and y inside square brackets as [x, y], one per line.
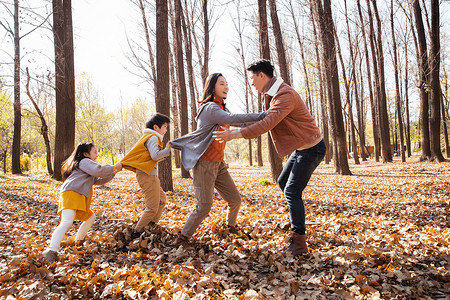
[157, 119]
[262, 65]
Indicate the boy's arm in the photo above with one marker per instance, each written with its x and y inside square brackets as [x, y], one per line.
[155, 153]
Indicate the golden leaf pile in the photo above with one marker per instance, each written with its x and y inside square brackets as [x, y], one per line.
[380, 234]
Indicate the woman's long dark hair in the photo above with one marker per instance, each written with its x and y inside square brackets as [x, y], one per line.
[74, 159]
[208, 90]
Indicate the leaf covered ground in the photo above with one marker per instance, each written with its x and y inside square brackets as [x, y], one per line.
[381, 233]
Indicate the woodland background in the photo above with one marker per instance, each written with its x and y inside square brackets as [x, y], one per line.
[374, 75]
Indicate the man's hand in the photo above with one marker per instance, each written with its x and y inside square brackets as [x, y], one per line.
[226, 134]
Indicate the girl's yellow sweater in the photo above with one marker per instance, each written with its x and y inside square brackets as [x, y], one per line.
[139, 157]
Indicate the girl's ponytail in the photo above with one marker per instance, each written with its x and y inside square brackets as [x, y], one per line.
[74, 159]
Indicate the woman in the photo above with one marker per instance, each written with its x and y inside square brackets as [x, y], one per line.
[203, 154]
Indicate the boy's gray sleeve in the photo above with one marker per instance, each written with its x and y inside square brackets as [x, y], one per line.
[153, 149]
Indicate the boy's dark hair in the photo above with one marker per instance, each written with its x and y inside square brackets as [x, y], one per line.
[157, 119]
[262, 65]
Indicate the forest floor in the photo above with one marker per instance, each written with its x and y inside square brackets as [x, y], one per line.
[382, 233]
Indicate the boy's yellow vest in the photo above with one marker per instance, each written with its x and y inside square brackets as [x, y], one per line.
[139, 157]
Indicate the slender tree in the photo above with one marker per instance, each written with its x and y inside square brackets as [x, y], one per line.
[239, 26]
[148, 41]
[407, 127]
[279, 43]
[323, 100]
[327, 33]
[424, 72]
[163, 84]
[185, 24]
[373, 107]
[205, 70]
[382, 100]
[351, 125]
[397, 85]
[445, 113]
[275, 161]
[435, 84]
[44, 126]
[180, 77]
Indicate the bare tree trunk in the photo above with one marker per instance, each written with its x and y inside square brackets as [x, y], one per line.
[181, 79]
[5, 153]
[275, 161]
[382, 103]
[44, 127]
[351, 124]
[64, 83]
[185, 24]
[424, 76]
[361, 112]
[376, 104]
[278, 36]
[240, 50]
[205, 70]
[408, 130]
[397, 87]
[445, 114]
[326, 26]
[435, 97]
[352, 78]
[373, 109]
[15, 153]
[149, 45]
[174, 107]
[302, 53]
[163, 82]
[323, 101]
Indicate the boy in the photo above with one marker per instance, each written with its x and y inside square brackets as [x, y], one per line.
[142, 160]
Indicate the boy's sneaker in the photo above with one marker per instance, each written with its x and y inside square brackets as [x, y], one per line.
[135, 234]
[50, 256]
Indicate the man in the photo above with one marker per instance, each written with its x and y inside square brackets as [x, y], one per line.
[293, 130]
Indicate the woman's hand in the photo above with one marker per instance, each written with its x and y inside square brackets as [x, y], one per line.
[226, 134]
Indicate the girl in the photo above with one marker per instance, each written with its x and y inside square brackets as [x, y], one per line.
[79, 173]
[206, 156]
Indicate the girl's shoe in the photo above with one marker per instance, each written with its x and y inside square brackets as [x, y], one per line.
[50, 256]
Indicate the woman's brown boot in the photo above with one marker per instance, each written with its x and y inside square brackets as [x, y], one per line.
[297, 244]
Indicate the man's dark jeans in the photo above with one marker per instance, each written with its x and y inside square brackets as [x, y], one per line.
[294, 178]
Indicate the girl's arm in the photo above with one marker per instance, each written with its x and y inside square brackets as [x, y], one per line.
[103, 180]
[92, 168]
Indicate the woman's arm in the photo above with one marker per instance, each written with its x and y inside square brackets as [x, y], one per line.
[219, 116]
